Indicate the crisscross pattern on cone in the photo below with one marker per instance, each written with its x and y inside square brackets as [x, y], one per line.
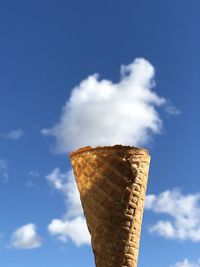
[112, 184]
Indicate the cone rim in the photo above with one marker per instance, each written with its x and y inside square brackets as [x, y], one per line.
[80, 150]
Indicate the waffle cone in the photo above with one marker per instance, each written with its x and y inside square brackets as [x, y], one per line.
[112, 184]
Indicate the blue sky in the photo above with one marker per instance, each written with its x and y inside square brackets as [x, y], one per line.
[47, 49]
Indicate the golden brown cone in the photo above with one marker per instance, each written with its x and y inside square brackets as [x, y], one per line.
[112, 184]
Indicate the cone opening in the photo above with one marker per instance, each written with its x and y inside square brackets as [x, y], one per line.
[115, 147]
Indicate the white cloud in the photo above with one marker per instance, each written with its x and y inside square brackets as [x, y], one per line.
[100, 112]
[26, 237]
[4, 170]
[183, 212]
[13, 135]
[164, 228]
[187, 263]
[65, 183]
[72, 225]
[75, 229]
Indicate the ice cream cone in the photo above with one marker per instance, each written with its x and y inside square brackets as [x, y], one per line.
[112, 184]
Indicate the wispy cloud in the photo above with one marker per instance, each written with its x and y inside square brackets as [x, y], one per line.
[186, 263]
[100, 112]
[4, 170]
[172, 110]
[183, 212]
[1, 237]
[34, 173]
[73, 225]
[26, 237]
[32, 181]
[13, 135]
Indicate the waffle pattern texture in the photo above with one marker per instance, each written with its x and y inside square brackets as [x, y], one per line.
[112, 184]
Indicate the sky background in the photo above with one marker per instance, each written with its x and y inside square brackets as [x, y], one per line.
[47, 48]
